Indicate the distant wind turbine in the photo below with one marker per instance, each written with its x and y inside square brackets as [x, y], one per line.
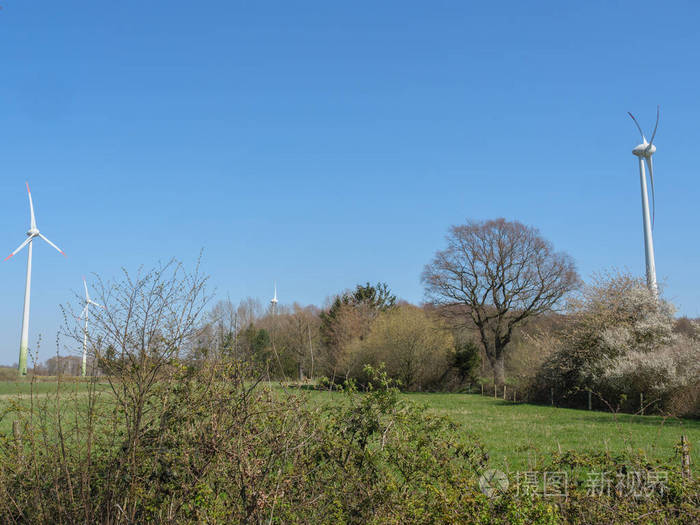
[273, 301]
[644, 151]
[84, 315]
[32, 233]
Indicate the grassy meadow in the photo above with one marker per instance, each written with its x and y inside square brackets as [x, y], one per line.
[519, 436]
[516, 436]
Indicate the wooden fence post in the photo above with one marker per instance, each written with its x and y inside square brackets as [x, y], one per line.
[590, 401]
[551, 396]
[641, 403]
[17, 434]
[685, 457]
[16, 431]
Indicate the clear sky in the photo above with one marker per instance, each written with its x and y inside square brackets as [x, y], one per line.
[322, 144]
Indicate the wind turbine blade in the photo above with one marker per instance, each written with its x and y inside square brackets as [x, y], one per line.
[31, 208]
[83, 312]
[653, 197]
[638, 126]
[87, 295]
[52, 244]
[651, 141]
[90, 301]
[26, 241]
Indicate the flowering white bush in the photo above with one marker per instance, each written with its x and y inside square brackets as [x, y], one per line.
[620, 343]
[667, 368]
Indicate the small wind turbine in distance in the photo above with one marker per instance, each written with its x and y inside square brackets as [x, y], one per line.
[273, 301]
[644, 151]
[32, 234]
[84, 315]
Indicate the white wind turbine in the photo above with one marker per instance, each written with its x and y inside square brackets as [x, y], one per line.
[84, 315]
[32, 233]
[644, 151]
[273, 301]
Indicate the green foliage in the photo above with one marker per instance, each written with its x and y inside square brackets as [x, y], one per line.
[384, 459]
[218, 448]
[349, 319]
[414, 347]
[467, 360]
[255, 343]
[375, 297]
[676, 500]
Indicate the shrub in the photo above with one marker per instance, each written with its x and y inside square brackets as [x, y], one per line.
[222, 449]
[605, 488]
[466, 361]
[218, 449]
[618, 342]
[415, 348]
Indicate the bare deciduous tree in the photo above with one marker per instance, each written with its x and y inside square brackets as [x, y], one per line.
[493, 276]
[296, 333]
[150, 320]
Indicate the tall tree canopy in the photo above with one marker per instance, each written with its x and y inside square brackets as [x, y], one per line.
[349, 317]
[494, 275]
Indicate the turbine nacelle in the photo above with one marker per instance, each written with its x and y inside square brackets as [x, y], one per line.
[89, 301]
[33, 232]
[644, 150]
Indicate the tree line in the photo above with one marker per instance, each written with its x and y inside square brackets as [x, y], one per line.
[501, 302]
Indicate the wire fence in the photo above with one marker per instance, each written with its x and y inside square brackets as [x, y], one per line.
[586, 399]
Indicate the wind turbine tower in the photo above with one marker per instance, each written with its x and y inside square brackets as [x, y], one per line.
[273, 301]
[84, 315]
[32, 234]
[643, 152]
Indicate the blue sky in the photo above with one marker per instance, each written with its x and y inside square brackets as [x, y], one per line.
[324, 144]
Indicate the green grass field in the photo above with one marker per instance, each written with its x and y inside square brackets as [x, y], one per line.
[12, 388]
[517, 436]
[14, 394]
